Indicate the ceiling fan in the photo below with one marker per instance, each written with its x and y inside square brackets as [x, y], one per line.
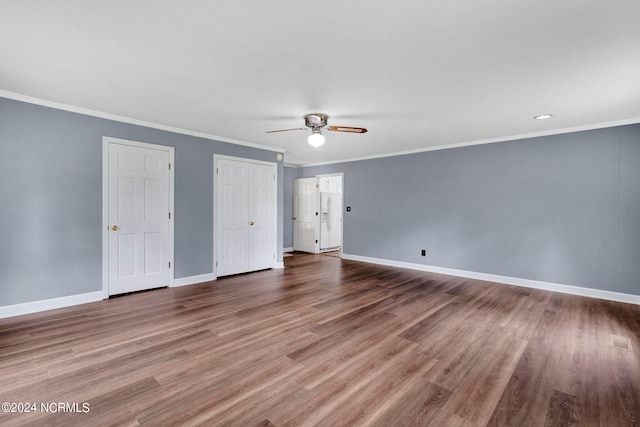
[316, 122]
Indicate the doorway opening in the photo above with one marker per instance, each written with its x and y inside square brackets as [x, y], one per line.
[318, 217]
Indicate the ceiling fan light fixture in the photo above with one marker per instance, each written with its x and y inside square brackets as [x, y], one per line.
[316, 122]
[316, 139]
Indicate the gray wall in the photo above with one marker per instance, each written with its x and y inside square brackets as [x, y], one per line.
[290, 173]
[51, 193]
[562, 209]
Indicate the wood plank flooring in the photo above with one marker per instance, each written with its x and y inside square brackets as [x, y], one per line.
[328, 342]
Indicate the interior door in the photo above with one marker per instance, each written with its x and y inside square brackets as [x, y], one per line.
[262, 211]
[138, 211]
[306, 202]
[245, 232]
[232, 217]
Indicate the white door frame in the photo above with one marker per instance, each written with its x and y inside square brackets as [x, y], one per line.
[106, 140]
[215, 204]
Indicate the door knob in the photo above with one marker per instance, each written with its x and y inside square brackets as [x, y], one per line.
[251, 222]
[114, 228]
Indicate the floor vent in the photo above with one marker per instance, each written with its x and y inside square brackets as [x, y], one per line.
[622, 343]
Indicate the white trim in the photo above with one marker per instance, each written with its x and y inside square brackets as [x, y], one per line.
[105, 219]
[123, 119]
[604, 125]
[192, 280]
[279, 265]
[535, 284]
[49, 304]
[287, 249]
[245, 160]
[106, 140]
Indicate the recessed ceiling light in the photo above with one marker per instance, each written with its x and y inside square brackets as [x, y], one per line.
[543, 116]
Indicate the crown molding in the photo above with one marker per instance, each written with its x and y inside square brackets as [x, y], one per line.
[132, 121]
[604, 125]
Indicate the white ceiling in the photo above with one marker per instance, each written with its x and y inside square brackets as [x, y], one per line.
[417, 74]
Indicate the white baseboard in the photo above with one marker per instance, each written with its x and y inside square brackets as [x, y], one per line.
[547, 286]
[192, 280]
[49, 304]
[71, 300]
[287, 249]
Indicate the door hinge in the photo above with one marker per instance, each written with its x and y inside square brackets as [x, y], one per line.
[217, 171]
[316, 241]
[169, 215]
[169, 264]
[216, 263]
[169, 166]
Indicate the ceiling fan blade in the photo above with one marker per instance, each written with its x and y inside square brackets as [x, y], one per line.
[284, 130]
[346, 129]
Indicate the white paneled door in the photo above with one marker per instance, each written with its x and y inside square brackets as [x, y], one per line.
[232, 215]
[245, 215]
[306, 207]
[262, 216]
[138, 217]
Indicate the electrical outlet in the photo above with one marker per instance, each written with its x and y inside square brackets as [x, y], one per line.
[424, 252]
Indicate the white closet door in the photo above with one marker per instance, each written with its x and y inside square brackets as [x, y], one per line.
[246, 212]
[262, 216]
[232, 217]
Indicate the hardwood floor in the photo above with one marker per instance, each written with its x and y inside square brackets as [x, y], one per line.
[328, 342]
